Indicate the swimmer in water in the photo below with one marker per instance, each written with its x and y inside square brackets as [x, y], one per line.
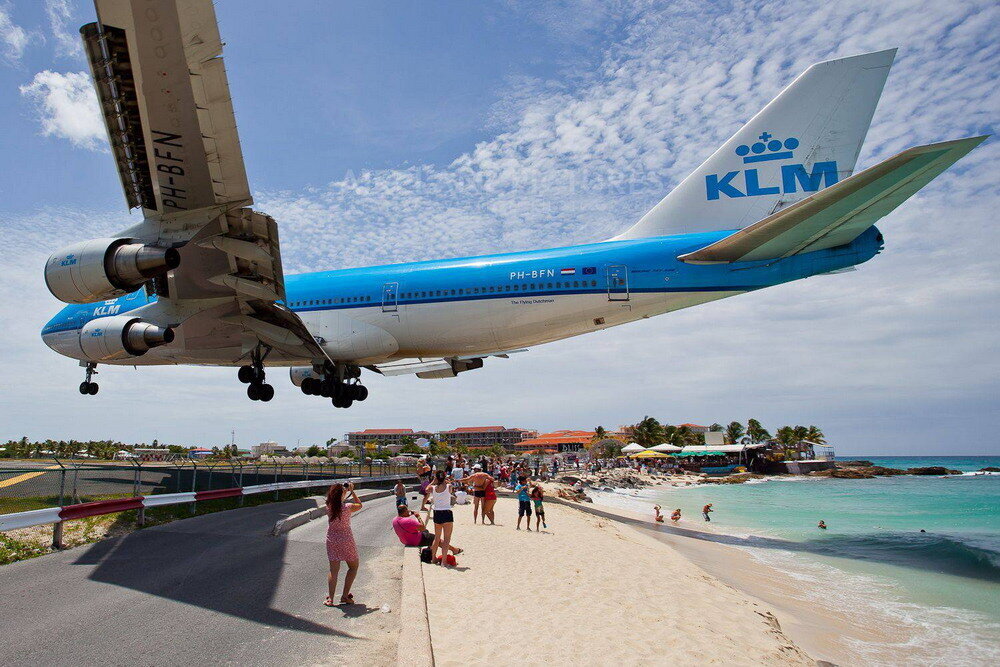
[822, 524]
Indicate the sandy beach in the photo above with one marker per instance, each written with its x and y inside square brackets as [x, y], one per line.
[589, 590]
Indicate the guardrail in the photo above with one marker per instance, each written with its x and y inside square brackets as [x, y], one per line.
[59, 515]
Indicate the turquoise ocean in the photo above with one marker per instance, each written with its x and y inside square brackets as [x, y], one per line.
[942, 586]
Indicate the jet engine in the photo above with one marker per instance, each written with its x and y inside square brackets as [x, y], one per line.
[121, 337]
[299, 374]
[102, 269]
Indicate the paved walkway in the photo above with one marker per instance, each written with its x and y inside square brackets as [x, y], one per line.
[212, 589]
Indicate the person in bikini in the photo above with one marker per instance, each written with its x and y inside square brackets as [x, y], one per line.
[479, 479]
[657, 515]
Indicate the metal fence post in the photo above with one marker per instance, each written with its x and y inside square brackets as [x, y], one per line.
[140, 518]
[240, 484]
[76, 474]
[62, 481]
[276, 468]
[57, 535]
[194, 485]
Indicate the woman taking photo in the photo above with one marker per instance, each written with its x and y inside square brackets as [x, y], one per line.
[439, 495]
[340, 544]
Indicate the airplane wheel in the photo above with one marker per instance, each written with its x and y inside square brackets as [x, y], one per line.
[93, 389]
[326, 390]
[84, 388]
[360, 392]
[253, 391]
[346, 403]
[245, 374]
[266, 392]
[307, 386]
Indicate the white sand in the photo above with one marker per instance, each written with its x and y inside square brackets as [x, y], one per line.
[588, 591]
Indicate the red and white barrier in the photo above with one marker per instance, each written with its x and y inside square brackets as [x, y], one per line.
[82, 510]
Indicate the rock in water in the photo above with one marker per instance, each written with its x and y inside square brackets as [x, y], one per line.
[932, 470]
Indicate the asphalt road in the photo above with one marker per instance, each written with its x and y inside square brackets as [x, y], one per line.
[211, 589]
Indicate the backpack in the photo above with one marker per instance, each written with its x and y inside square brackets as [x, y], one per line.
[425, 555]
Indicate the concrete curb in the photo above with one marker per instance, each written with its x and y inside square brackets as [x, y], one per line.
[414, 647]
[301, 518]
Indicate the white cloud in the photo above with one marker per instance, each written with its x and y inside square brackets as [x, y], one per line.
[60, 18]
[13, 38]
[67, 108]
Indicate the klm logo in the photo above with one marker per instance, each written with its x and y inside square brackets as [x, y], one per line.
[793, 176]
[69, 261]
[101, 311]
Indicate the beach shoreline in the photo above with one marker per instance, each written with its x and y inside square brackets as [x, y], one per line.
[590, 590]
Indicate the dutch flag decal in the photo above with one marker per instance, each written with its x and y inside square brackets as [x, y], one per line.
[567, 272]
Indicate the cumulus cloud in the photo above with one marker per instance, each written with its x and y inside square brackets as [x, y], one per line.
[67, 108]
[67, 41]
[13, 38]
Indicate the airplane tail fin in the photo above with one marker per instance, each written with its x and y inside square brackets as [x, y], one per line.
[805, 139]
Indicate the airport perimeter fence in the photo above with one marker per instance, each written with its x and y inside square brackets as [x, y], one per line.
[39, 484]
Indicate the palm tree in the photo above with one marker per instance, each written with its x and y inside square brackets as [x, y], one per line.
[599, 434]
[734, 432]
[757, 432]
[814, 434]
[648, 432]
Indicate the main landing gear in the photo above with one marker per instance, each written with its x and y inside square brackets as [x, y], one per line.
[340, 384]
[88, 388]
[253, 377]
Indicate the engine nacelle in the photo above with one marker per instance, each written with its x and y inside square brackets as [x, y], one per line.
[102, 269]
[300, 373]
[121, 337]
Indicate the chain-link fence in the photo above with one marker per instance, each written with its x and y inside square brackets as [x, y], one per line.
[40, 483]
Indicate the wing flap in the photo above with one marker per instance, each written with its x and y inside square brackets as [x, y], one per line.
[165, 98]
[836, 215]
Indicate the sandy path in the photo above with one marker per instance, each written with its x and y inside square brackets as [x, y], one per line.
[588, 591]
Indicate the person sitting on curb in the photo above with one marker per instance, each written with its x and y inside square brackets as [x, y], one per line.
[412, 531]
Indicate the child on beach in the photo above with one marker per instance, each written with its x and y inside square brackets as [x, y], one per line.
[656, 512]
[676, 515]
[523, 501]
[537, 496]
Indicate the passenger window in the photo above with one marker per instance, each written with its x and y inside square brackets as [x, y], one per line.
[516, 288]
[593, 283]
[491, 288]
[461, 291]
[550, 285]
[506, 288]
[576, 283]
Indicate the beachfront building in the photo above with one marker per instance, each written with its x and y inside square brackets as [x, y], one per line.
[390, 438]
[269, 448]
[556, 442]
[696, 428]
[482, 437]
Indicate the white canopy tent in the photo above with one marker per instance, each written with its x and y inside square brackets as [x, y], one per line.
[632, 448]
[727, 449]
[667, 448]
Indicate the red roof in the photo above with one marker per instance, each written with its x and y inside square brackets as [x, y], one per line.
[556, 437]
[385, 431]
[694, 425]
[471, 429]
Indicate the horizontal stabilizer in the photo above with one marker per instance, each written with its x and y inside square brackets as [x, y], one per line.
[836, 215]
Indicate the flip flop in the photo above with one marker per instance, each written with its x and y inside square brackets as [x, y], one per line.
[328, 602]
[347, 599]
[458, 551]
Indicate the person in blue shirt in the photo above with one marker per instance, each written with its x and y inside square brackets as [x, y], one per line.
[523, 501]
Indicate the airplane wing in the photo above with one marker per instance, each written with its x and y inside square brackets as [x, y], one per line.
[157, 66]
[428, 368]
[836, 215]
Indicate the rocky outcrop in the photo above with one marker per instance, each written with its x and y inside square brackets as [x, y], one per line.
[854, 464]
[738, 478]
[932, 470]
[858, 472]
[989, 469]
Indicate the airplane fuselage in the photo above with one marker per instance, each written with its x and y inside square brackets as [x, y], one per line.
[490, 303]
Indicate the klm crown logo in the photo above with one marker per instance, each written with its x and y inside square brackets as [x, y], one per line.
[768, 148]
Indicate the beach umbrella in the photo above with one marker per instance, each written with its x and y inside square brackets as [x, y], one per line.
[650, 454]
[666, 448]
[632, 448]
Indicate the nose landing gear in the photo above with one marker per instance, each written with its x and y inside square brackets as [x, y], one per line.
[88, 388]
[253, 376]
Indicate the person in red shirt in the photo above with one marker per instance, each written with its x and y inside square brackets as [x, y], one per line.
[412, 531]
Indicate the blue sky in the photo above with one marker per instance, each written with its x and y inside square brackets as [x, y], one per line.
[378, 132]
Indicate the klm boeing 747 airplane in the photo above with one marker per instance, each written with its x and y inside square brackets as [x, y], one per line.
[199, 279]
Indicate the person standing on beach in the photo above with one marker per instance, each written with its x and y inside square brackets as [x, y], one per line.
[489, 502]
[523, 501]
[706, 510]
[537, 497]
[444, 520]
[478, 479]
[340, 544]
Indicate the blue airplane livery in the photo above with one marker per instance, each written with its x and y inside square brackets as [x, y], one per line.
[199, 279]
